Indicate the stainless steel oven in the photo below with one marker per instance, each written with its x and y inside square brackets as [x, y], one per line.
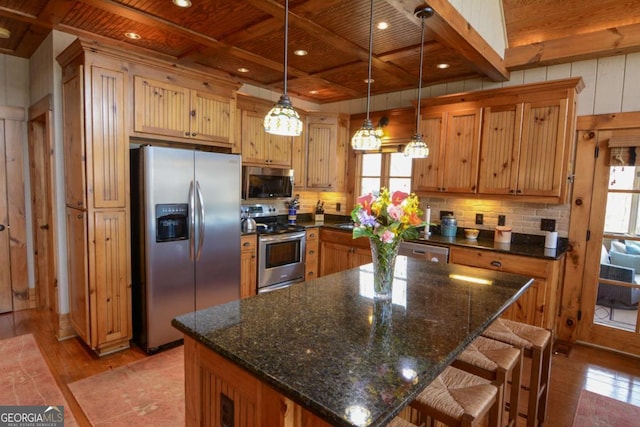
[280, 260]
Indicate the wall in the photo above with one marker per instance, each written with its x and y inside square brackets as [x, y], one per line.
[487, 18]
[609, 88]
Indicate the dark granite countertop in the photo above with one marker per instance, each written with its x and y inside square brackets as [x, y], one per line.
[329, 347]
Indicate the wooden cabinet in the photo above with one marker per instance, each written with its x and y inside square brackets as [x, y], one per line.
[453, 138]
[248, 265]
[312, 247]
[522, 147]
[96, 148]
[168, 109]
[539, 304]
[261, 148]
[339, 251]
[327, 148]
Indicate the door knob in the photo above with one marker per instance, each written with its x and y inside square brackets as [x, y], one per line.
[1, 227]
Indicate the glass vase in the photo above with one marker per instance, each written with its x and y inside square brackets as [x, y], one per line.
[384, 262]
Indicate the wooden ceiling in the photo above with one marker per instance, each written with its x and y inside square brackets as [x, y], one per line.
[223, 36]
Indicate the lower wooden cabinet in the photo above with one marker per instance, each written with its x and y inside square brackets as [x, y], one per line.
[539, 304]
[340, 251]
[213, 384]
[311, 253]
[248, 265]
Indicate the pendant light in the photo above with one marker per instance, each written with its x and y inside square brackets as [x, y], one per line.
[283, 119]
[417, 148]
[367, 137]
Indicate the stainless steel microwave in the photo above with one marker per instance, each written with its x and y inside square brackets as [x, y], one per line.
[266, 183]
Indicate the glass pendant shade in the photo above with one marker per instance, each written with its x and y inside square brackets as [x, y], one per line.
[416, 148]
[283, 119]
[366, 138]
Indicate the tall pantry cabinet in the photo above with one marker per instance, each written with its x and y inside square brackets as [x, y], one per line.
[97, 200]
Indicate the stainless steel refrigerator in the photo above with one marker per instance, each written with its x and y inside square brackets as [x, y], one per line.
[185, 210]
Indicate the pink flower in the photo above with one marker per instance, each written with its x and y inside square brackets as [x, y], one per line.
[398, 197]
[387, 236]
[395, 212]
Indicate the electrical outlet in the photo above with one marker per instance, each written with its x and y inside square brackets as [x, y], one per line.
[479, 219]
[502, 219]
[226, 411]
[547, 224]
[445, 213]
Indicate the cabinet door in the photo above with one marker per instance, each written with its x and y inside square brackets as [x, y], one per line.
[109, 148]
[500, 149]
[248, 266]
[110, 278]
[279, 150]
[77, 265]
[74, 147]
[543, 148]
[529, 308]
[321, 149]
[360, 256]
[334, 258]
[462, 146]
[211, 117]
[342, 151]
[426, 175]
[254, 138]
[161, 108]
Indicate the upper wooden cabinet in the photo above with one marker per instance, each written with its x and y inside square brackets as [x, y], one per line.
[168, 109]
[327, 147]
[453, 138]
[511, 142]
[257, 146]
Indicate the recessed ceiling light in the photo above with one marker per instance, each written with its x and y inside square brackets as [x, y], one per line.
[300, 52]
[369, 81]
[182, 3]
[243, 70]
[4, 33]
[442, 66]
[382, 25]
[133, 36]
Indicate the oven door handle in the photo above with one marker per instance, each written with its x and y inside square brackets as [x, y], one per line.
[266, 289]
[283, 237]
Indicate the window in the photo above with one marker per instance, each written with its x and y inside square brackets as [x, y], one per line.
[391, 170]
[622, 201]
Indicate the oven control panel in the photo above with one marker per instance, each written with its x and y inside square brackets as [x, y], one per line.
[259, 210]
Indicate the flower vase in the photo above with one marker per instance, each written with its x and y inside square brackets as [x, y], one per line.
[384, 262]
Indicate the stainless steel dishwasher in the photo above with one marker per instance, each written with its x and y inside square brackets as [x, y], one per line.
[424, 251]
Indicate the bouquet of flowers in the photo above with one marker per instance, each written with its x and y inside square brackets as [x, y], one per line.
[387, 217]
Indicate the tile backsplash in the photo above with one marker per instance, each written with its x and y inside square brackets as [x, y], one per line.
[522, 217]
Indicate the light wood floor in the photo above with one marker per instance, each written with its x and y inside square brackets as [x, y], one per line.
[597, 370]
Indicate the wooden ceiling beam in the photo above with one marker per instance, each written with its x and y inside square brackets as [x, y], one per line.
[449, 27]
[612, 41]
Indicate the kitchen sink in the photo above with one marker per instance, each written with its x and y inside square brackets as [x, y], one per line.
[346, 225]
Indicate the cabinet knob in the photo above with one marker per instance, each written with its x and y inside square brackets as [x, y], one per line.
[193, 113]
[2, 227]
[512, 191]
[193, 134]
[311, 252]
[519, 191]
[186, 134]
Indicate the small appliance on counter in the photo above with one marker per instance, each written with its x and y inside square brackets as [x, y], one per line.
[319, 213]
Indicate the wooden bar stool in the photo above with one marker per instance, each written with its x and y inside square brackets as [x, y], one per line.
[458, 398]
[536, 344]
[495, 361]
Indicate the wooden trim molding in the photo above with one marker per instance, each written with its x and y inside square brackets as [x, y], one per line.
[65, 330]
[609, 121]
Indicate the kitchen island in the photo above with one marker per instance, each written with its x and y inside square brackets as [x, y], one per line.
[323, 352]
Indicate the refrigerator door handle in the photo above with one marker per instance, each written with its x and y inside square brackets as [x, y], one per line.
[192, 223]
[200, 221]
